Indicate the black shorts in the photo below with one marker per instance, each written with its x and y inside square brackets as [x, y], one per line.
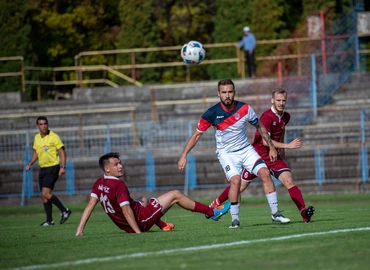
[48, 176]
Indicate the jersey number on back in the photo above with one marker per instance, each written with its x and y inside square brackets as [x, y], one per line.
[106, 203]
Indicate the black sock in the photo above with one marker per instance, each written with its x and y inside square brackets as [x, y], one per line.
[54, 199]
[48, 207]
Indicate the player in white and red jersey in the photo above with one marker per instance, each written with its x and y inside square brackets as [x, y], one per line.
[275, 119]
[229, 119]
[135, 216]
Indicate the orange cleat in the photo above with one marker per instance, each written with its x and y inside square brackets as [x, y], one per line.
[169, 227]
[215, 204]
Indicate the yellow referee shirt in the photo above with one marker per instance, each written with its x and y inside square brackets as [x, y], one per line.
[47, 149]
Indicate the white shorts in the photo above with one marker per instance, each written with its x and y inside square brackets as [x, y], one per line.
[233, 163]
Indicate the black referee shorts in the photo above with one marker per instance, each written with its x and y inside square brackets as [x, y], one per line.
[48, 176]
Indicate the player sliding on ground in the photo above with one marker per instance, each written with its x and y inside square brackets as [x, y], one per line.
[275, 119]
[135, 216]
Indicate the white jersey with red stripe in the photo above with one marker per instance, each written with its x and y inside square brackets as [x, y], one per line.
[230, 126]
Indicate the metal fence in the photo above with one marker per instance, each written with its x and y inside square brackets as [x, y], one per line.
[138, 138]
[152, 139]
[331, 63]
[133, 138]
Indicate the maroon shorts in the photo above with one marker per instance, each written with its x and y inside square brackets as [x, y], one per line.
[276, 168]
[149, 215]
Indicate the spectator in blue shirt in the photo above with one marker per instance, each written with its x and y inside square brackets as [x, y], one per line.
[248, 43]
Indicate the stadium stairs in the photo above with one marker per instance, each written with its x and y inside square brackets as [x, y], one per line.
[341, 162]
[344, 107]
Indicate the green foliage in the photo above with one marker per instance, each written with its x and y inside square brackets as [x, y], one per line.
[14, 30]
[61, 29]
[228, 27]
[267, 23]
[162, 23]
[364, 59]
[137, 31]
[293, 11]
[267, 19]
[14, 36]
[264, 17]
[313, 7]
[71, 27]
[183, 21]
[50, 33]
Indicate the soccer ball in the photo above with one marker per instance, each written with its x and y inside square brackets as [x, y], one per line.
[193, 52]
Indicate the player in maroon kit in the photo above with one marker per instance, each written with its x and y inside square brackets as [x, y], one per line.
[275, 119]
[136, 216]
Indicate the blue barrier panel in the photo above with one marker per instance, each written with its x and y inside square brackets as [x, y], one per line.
[313, 85]
[107, 142]
[319, 165]
[25, 181]
[24, 187]
[70, 177]
[27, 176]
[186, 180]
[365, 164]
[362, 124]
[29, 186]
[364, 151]
[150, 172]
[192, 174]
[189, 170]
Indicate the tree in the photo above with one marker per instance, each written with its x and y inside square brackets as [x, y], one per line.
[15, 39]
[60, 29]
[138, 30]
[163, 23]
[231, 16]
[268, 24]
[63, 28]
[180, 22]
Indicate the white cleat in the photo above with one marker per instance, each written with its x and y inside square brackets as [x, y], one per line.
[278, 217]
[235, 224]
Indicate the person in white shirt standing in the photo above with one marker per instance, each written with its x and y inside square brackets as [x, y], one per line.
[229, 118]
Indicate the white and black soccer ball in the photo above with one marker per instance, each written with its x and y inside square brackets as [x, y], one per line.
[193, 52]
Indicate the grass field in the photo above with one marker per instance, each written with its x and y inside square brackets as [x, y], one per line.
[338, 238]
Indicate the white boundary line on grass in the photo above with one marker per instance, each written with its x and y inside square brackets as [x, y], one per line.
[144, 254]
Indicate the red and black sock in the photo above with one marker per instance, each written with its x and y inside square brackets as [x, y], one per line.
[296, 196]
[202, 208]
[224, 196]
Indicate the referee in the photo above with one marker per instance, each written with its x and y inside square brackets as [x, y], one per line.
[49, 151]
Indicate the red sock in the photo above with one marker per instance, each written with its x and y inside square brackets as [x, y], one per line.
[296, 196]
[224, 196]
[202, 208]
[161, 224]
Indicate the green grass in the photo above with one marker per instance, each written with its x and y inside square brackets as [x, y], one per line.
[196, 243]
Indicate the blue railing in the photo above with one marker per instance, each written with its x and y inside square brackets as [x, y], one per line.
[150, 172]
[364, 152]
[170, 139]
[190, 182]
